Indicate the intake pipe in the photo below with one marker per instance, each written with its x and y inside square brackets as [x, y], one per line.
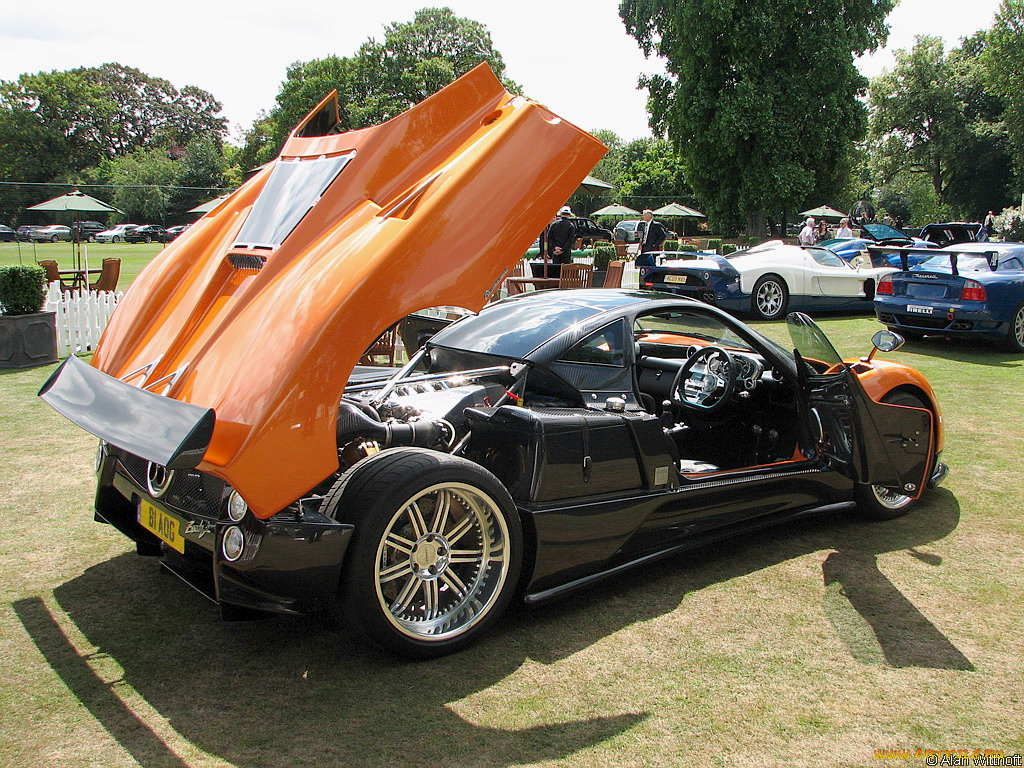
[354, 421]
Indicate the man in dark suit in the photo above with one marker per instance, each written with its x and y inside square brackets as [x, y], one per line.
[561, 237]
[651, 235]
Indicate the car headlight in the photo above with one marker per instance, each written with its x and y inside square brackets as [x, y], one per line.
[233, 543]
[237, 507]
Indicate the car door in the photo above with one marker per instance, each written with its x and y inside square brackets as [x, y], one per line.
[869, 442]
[831, 276]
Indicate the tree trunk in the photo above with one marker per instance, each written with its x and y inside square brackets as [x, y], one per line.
[755, 224]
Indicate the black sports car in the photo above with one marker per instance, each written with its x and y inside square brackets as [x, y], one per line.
[147, 233]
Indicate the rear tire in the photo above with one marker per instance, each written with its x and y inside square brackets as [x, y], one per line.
[1014, 341]
[436, 553]
[115, 239]
[54, 238]
[770, 297]
[874, 501]
[149, 239]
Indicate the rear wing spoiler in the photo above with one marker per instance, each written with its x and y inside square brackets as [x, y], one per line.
[881, 250]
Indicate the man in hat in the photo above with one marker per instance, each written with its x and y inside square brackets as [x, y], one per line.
[561, 237]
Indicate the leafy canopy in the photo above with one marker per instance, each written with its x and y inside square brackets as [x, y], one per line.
[760, 97]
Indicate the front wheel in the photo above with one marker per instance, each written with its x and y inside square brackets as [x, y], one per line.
[878, 502]
[436, 554]
[149, 239]
[53, 239]
[92, 238]
[770, 297]
[115, 239]
[1014, 340]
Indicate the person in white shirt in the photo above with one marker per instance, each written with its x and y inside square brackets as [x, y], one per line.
[807, 235]
[844, 229]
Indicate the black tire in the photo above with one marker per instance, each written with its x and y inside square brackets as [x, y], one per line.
[53, 238]
[92, 238]
[149, 239]
[875, 502]
[1014, 341]
[770, 297]
[397, 499]
[115, 239]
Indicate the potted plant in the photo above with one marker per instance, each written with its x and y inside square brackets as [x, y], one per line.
[603, 253]
[28, 336]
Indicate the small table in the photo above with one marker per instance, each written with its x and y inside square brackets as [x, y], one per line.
[79, 278]
[519, 284]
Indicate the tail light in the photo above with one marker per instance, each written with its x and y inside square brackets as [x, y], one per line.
[884, 286]
[647, 285]
[972, 291]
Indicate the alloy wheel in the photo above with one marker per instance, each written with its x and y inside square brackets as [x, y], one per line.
[769, 298]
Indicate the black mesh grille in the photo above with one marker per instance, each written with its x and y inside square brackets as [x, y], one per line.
[190, 491]
[922, 321]
[245, 261]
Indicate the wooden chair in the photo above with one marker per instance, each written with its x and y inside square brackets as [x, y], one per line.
[620, 250]
[107, 281]
[613, 276]
[576, 276]
[53, 273]
[511, 289]
[384, 346]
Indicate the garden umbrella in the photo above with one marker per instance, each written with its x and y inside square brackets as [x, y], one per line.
[593, 186]
[823, 212]
[615, 209]
[78, 202]
[209, 205]
[679, 211]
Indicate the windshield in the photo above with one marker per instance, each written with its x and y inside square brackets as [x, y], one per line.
[809, 340]
[883, 232]
[293, 188]
[964, 263]
[687, 327]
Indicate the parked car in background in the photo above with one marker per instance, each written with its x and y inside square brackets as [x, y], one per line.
[849, 248]
[146, 233]
[86, 231]
[23, 234]
[768, 280]
[115, 234]
[51, 233]
[626, 230]
[7, 235]
[967, 290]
[588, 229]
[173, 232]
[950, 233]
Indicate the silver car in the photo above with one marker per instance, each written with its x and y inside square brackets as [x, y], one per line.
[113, 235]
[52, 233]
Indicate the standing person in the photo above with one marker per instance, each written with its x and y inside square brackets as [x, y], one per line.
[844, 229]
[651, 235]
[987, 228]
[807, 233]
[561, 237]
[822, 234]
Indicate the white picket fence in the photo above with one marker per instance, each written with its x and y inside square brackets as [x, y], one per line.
[81, 317]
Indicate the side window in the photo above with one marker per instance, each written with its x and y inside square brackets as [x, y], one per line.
[603, 347]
[825, 258]
[1013, 263]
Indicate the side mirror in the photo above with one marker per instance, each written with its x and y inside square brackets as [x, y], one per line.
[885, 341]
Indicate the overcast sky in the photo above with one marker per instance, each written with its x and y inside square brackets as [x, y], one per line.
[574, 55]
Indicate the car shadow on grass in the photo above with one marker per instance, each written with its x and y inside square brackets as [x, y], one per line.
[297, 691]
[963, 350]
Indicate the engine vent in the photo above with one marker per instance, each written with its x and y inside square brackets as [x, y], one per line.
[246, 261]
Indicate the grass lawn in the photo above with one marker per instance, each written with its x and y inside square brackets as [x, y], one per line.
[813, 644]
[133, 256]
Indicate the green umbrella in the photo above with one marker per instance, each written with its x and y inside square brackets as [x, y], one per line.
[594, 186]
[679, 211]
[209, 205]
[823, 212]
[76, 201]
[615, 209]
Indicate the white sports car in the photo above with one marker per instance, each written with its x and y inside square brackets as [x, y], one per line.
[767, 281]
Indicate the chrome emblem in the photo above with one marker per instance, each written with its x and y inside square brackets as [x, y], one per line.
[158, 479]
[199, 527]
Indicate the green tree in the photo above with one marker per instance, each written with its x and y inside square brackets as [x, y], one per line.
[143, 177]
[760, 97]
[414, 60]
[1003, 60]
[933, 115]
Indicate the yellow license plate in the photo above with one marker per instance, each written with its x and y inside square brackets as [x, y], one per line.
[158, 522]
[675, 278]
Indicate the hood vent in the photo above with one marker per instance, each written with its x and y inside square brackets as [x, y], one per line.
[246, 261]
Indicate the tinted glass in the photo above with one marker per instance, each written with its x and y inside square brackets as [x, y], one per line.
[825, 258]
[603, 347]
[810, 340]
[690, 326]
[293, 188]
[883, 232]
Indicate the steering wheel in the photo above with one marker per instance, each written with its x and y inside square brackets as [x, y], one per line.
[709, 390]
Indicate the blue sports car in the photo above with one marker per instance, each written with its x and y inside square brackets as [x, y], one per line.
[972, 289]
[849, 248]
